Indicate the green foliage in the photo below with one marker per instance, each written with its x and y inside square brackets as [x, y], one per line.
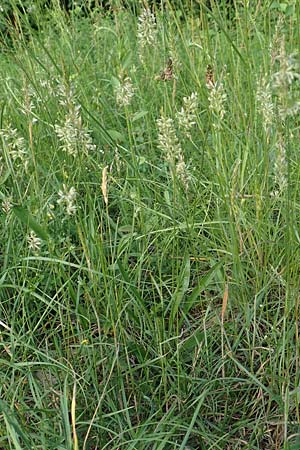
[149, 194]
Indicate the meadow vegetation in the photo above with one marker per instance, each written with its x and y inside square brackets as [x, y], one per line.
[149, 223]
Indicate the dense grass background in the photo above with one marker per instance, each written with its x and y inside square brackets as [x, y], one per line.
[155, 305]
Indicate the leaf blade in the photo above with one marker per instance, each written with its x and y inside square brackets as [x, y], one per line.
[27, 219]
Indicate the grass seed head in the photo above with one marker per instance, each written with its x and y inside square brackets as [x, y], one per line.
[265, 105]
[124, 92]
[182, 172]
[73, 135]
[67, 199]
[146, 31]
[280, 166]
[167, 139]
[7, 205]
[217, 99]
[187, 115]
[34, 242]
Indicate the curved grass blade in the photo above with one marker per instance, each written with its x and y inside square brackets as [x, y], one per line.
[14, 430]
[25, 217]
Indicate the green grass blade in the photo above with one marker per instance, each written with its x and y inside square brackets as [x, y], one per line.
[26, 218]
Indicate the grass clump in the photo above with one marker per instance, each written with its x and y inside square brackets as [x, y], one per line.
[149, 197]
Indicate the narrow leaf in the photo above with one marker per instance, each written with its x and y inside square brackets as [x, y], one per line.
[13, 427]
[202, 285]
[183, 285]
[115, 135]
[25, 217]
[139, 115]
[200, 401]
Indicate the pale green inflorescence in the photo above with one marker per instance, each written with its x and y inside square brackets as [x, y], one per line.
[67, 199]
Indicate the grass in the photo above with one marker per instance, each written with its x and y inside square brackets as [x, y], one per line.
[155, 305]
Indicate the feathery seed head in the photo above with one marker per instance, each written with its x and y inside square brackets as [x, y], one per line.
[280, 165]
[265, 104]
[34, 242]
[124, 92]
[147, 30]
[67, 199]
[182, 172]
[217, 98]
[73, 135]
[187, 115]
[167, 139]
[7, 205]
[15, 146]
